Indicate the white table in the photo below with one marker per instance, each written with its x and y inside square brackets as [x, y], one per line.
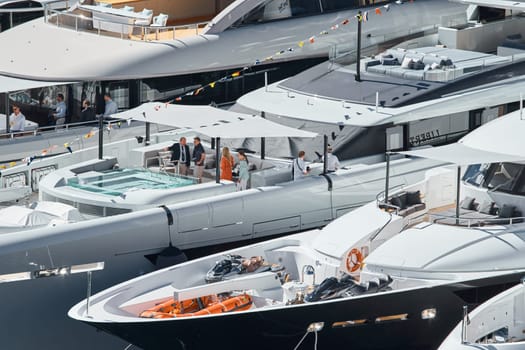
[112, 19]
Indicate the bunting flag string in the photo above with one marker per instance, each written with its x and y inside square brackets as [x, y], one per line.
[311, 40]
[67, 145]
[361, 17]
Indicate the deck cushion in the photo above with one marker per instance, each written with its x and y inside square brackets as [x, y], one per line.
[467, 203]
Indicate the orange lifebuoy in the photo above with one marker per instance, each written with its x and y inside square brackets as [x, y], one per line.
[354, 260]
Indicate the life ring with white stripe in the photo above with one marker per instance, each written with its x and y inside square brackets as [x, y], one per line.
[354, 260]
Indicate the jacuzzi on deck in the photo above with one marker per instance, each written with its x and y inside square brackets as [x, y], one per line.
[101, 188]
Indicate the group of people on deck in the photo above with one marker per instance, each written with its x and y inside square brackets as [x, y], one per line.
[300, 169]
[180, 156]
[17, 119]
[228, 164]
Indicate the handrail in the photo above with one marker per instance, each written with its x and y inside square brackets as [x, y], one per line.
[57, 127]
[58, 17]
[436, 217]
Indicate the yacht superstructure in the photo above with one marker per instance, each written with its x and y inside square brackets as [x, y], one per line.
[439, 92]
[200, 43]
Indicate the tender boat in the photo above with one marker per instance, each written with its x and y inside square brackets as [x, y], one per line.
[496, 324]
[398, 279]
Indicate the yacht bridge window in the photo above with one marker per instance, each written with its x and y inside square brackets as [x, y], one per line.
[278, 9]
[502, 177]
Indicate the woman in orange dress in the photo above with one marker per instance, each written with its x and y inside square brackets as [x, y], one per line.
[226, 164]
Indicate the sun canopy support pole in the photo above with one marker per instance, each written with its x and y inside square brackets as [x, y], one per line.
[217, 160]
[100, 137]
[325, 154]
[6, 96]
[148, 133]
[387, 180]
[263, 147]
[263, 139]
[458, 187]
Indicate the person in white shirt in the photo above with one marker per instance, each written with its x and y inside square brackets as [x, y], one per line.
[59, 117]
[111, 106]
[17, 120]
[332, 163]
[299, 166]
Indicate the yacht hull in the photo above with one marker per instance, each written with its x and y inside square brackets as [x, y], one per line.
[283, 328]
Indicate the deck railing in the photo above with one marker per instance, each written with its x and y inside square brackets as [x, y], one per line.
[80, 22]
[474, 222]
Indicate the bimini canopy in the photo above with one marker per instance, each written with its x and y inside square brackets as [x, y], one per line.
[502, 91]
[210, 121]
[500, 140]
[8, 84]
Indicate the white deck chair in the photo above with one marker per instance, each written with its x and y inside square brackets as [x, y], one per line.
[159, 22]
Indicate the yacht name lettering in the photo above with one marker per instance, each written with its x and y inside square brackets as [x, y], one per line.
[423, 137]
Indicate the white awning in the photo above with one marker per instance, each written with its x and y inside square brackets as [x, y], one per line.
[8, 84]
[460, 154]
[210, 121]
[500, 140]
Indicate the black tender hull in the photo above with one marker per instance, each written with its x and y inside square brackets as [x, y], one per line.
[284, 328]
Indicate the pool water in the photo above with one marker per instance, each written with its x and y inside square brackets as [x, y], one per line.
[116, 182]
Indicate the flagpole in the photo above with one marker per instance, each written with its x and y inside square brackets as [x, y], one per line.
[358, 63]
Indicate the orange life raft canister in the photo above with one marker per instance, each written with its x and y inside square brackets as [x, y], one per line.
[207, 305]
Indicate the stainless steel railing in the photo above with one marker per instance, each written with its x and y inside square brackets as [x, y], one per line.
[80, 22]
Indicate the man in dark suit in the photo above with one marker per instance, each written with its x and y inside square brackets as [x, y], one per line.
[180, 155]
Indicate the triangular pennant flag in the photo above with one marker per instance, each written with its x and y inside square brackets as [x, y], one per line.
[300, 43]
[290, 49]
[257, 62]
[198, 91]
[178, 98]
[2, 166]
[311, 39]
[365, 16]
[334, 27]
[90, 134]
[128, 121]
[236, 74]
[345, 21]
[68, 147]
[212, 85]
[44, 152]
[324, 32]
[12, 164]
[387, 7]
[378, 11]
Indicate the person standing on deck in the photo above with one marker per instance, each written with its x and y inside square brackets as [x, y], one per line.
[180, 155]
[17, 120]
[244, 174]
[299, 166]
[199, 155]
